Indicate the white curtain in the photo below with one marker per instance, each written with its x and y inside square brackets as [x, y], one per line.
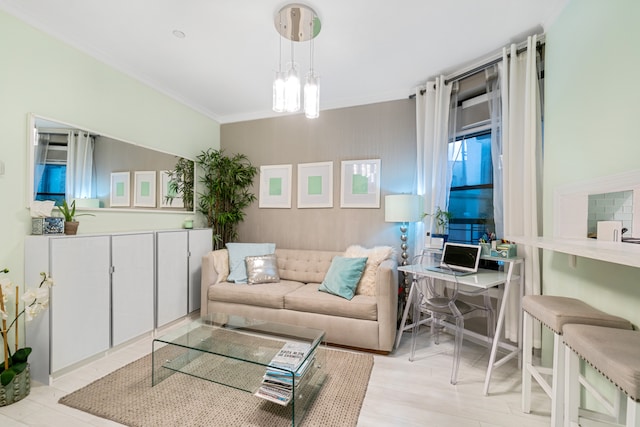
[522, 162]
[40, 159]
[492, 75]
[79, 183]
[433, 173]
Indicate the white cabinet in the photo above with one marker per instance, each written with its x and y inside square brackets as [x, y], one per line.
[132, 258]
[80, 321]
[179, 259]
[172, 255]
[109, 289]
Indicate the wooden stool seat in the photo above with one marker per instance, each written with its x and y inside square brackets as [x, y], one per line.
[555, 312]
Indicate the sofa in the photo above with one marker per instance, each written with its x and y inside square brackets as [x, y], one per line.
[367, 321]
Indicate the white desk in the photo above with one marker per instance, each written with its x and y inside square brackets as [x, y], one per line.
[484, 279]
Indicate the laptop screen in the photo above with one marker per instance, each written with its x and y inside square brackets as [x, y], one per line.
[460, 256]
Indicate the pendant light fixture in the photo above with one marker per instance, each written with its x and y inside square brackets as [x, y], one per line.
[297, 23]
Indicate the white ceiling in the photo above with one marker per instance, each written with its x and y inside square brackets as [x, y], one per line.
[367, 51]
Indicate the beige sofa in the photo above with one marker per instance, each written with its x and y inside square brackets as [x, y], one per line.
[365, 322]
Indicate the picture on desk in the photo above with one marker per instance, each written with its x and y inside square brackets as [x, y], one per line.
[459, 258]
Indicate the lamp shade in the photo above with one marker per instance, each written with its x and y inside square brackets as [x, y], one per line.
[402, 208]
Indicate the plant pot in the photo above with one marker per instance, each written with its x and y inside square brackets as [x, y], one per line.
[71, 227]
[17, 389]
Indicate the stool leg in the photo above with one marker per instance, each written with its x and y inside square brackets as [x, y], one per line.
[633, 413]
[571, 387]
[527, 335]
[557, 382]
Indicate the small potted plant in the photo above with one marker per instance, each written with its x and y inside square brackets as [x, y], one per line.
[15, 382]
[69, 214]
[442, 219]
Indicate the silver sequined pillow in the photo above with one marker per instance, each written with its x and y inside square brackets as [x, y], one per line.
[262, 269]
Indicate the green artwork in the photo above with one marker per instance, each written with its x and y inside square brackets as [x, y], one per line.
[145, 188]
[275, 186]
[314, 185]
[120, 189]
[359, 184]
[171, 190]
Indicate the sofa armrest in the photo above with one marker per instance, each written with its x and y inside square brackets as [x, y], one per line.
[387, 298]
[212, 274]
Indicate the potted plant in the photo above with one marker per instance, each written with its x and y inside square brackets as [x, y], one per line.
[226, 181]
[69, 214]
[442, 219]
[181, 183]
[15, 381]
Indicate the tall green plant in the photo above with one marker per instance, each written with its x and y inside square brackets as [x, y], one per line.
[226, 181]
[181, 183]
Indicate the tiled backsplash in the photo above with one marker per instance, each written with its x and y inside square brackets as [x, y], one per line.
[616, 206]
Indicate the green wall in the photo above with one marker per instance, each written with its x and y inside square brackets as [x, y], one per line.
[40, 74]
[591, 131]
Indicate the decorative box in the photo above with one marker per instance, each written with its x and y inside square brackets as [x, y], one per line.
[505, 250]
[47, 225]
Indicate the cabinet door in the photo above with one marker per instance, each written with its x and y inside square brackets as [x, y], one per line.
[171, 275]
[80, 298]
[200, 243]
[132, 258]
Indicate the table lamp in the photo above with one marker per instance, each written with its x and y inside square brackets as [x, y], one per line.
[403, 208]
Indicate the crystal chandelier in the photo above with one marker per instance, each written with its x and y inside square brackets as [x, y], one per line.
[296, 23]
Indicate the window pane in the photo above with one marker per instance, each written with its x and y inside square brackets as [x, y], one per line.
[471, 159]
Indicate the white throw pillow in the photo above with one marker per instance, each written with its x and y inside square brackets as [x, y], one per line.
[375, 255]
[221, 264]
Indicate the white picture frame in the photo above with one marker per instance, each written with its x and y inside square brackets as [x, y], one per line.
[144, 195]
[275, 186]
[120, 189]
[315, 185]
[360, 184]
[165, 191]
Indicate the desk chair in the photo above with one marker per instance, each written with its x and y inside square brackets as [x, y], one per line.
[441, 303]
[613, 353]
[555, 312]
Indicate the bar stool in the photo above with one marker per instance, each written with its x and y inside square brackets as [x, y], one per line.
[554, 312]
[615, 353]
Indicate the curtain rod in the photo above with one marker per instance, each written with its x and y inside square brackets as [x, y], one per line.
[497, 57]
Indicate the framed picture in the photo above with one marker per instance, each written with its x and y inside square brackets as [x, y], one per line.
[145, 189]
[360, 184]
[120, 189]
[275, 186]
[166, 190]
[315, 185]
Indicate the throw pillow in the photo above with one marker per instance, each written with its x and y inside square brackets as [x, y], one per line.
[262, 269]
[343, 276]
[238, 252]
[221, 264]
[375, 255]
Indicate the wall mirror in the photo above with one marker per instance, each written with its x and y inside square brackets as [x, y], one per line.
[102, 172]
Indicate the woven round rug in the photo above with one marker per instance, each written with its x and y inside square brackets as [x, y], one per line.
[127, 397]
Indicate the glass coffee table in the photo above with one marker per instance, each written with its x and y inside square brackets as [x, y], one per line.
[283, 364]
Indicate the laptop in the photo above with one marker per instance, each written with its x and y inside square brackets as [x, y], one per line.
[459, 259]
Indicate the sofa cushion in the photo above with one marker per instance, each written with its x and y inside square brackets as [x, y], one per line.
[263, 295]
[238, 252]
[304, 265]
[308, 299]
[221, 264]
[343, 276]
[375, 255]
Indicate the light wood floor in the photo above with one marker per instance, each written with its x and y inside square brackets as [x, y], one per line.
[400, 393]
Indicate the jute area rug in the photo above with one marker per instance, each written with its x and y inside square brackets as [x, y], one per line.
[126, 396]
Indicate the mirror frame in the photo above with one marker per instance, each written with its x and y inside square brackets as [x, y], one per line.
[31, 143]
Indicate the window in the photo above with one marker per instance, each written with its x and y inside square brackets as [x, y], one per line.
[52, 184]
[471, 196]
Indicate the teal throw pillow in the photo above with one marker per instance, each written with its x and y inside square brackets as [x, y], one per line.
[238, 252]
[343, 276]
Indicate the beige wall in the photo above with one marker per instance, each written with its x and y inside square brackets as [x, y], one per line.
[383, 131]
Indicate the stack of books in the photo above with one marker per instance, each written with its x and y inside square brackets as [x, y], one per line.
[277, 382]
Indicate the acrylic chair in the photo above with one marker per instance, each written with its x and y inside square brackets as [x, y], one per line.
[440, 302]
